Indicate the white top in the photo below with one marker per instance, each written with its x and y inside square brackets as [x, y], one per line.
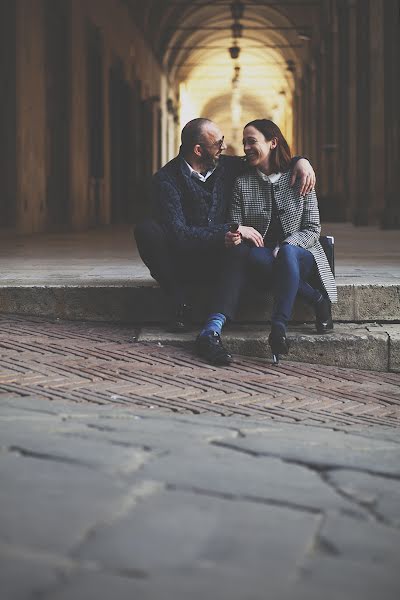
[273, 178]
[194, 173]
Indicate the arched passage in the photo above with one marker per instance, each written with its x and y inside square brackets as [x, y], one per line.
[194, 48]
[82, 137]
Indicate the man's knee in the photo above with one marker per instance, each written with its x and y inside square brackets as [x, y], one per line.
[147, 230]
[239, 252]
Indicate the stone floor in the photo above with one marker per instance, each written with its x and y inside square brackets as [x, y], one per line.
[100, 502]
[364, 255]
[133, 470]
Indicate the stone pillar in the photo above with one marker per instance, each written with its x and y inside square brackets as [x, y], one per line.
[351, 136]
[377, 112]
[296, 145]
[391, 212]
[322, 95]
[105, 205]
[363, 114]
[79, 170]
[30, 117]
[8, 177]
[331, 186]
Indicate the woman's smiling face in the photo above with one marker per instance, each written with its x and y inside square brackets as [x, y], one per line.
[256, 147]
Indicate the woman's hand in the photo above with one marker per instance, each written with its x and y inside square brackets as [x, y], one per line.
[251, 234]
[303, 171]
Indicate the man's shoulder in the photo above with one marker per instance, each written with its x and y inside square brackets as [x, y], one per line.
[233, 163]
[170, 170]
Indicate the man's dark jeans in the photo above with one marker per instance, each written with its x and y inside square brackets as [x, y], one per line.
[176, 270]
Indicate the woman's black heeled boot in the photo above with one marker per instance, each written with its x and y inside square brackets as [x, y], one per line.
[278, 342]
[323, 314]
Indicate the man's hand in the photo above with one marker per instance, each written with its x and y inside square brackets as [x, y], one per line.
[232, 239]
[246, 233]
[303, 171]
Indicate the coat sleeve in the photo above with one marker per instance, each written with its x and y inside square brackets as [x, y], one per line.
[236, 209]
[310, 224]
[168, 205]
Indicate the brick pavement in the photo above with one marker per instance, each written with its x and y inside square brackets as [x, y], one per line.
[103, 364]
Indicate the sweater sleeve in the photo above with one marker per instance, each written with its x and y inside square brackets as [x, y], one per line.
[168, 203]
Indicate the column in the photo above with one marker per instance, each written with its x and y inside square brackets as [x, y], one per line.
[79, 169]
[30, 117]
[377, 112]
[363, 113]
[332, 198]
[391, 211]
[7, 113]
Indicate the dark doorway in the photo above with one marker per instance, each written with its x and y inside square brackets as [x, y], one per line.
[122, 171]
[148, 146]
[8, 168]
[95, 121]
[57, 112]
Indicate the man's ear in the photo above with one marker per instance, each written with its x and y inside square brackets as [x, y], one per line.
[197, 150]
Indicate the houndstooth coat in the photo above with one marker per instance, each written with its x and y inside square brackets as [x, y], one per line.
[299, 216]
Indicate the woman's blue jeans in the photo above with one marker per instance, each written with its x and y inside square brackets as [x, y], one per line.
[289, 273]
[286, 275]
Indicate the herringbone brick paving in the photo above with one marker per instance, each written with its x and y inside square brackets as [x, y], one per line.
[103, 364]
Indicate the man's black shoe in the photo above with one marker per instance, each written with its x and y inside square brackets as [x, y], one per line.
[181, 319]
[209, 346]
[323, 321]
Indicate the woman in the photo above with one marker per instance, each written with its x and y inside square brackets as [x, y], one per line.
[279, 232]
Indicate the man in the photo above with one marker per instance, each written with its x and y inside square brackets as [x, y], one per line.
[184, 241]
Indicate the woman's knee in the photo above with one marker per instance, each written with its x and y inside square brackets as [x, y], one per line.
[287, 252]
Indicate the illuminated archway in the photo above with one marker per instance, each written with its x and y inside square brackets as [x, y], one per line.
[192, 41]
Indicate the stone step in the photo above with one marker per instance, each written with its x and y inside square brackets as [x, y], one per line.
[370, 347]
[143, 302]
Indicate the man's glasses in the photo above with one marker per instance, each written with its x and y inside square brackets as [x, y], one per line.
[218, 144]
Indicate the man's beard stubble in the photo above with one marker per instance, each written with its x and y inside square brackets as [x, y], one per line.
[209, 162]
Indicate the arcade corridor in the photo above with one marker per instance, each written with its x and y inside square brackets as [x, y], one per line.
[94, 94]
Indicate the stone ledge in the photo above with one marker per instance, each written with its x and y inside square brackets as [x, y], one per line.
[349, 345]
[145, 303]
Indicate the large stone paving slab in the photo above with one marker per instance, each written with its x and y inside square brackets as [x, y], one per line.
[50, 505]
[324, 450]
[228, 508]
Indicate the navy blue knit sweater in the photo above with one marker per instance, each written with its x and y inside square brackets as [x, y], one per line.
[193, 216]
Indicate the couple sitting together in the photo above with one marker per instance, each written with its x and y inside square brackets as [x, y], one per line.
[224, 219]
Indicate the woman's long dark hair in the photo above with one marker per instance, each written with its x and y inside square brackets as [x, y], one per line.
[280, 155]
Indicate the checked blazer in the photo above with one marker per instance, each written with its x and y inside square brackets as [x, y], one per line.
[299, 216]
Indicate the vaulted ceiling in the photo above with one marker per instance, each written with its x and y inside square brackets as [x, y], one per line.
[191, 39]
